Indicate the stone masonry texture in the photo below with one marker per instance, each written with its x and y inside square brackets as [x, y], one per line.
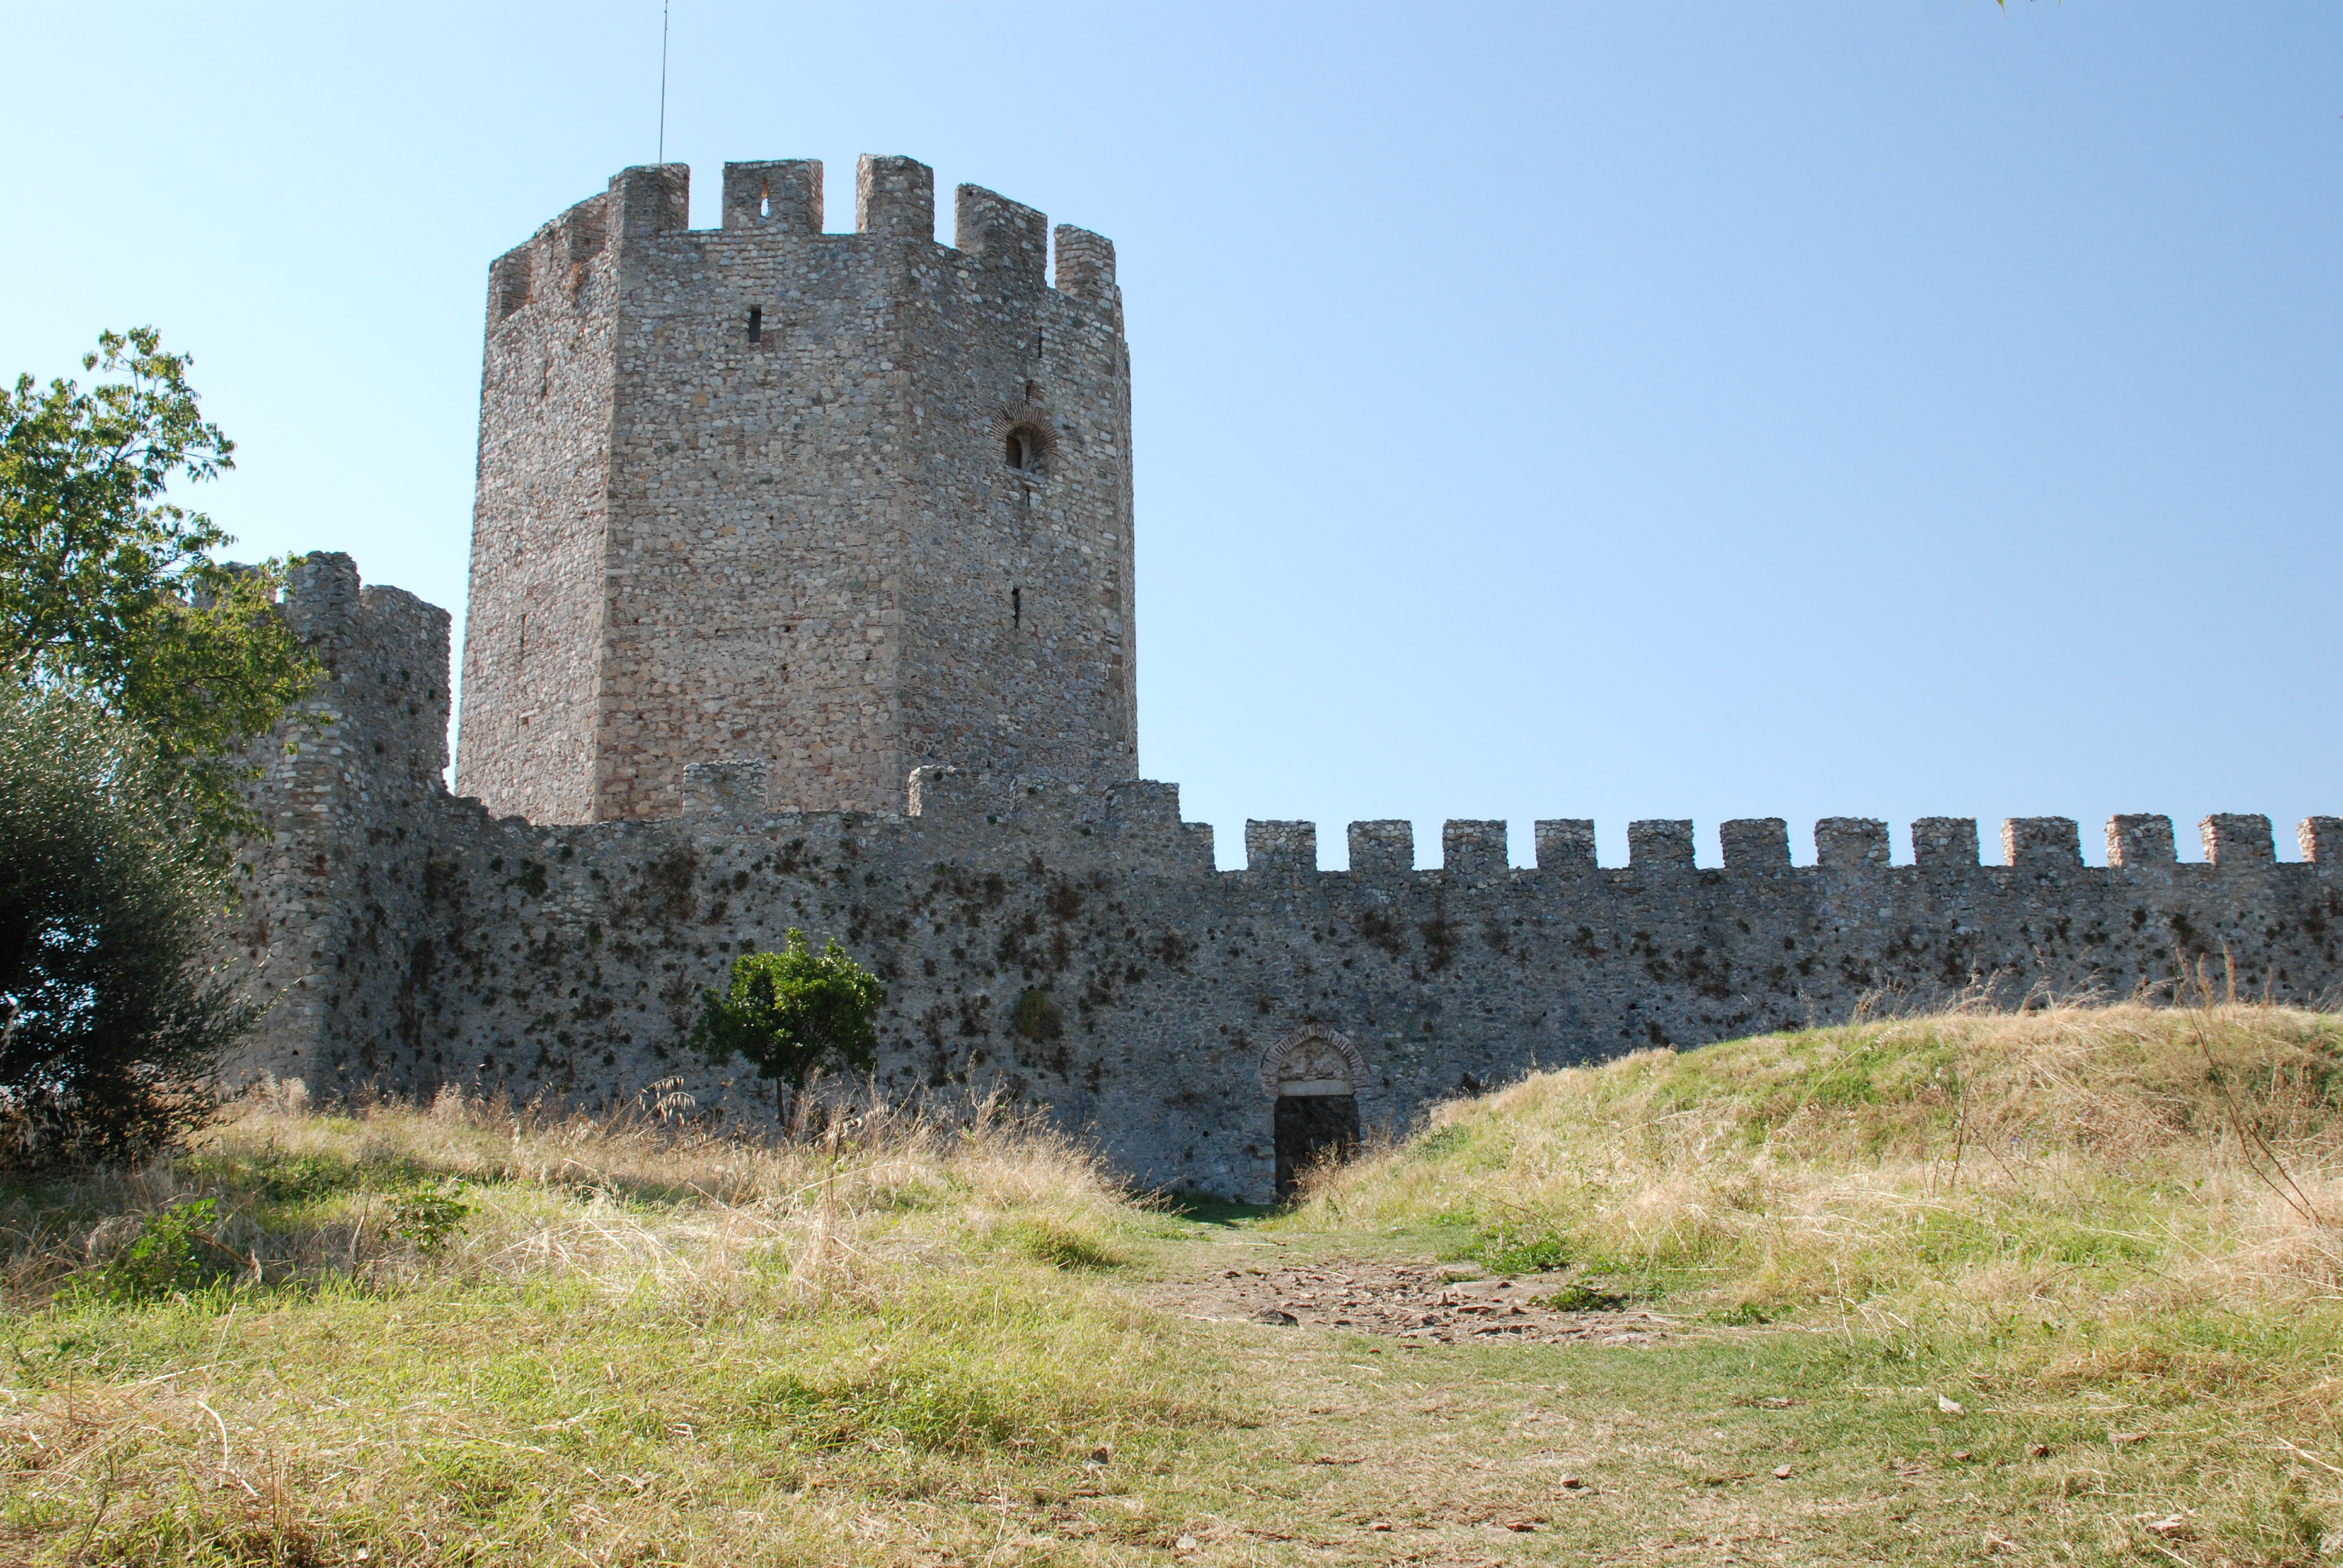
[843, 503]
[804, 647]
[410, 939]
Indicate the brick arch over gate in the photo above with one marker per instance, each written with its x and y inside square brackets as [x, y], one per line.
[1311, 1049]
[1312, 1077]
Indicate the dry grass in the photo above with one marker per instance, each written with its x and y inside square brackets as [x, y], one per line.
[1965, 1167]
[2125, 1215]
[473, 1332]
[626, 1204]
[469, 1333]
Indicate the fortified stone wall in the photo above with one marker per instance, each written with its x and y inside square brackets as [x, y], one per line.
[844, 503]
[418, 941]
[334, 906]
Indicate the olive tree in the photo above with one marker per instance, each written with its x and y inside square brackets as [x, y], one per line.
[111, 1027]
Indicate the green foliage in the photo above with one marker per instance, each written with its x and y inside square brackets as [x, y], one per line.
[1037, 1016]
[792, 1012]
[173, 1255]
[1509, 1251]
[476, 1478]
[1582, 1298]
[110, 1030]
[430, 1217]
[930, 1403]
[1440, 1142]
[109, 588]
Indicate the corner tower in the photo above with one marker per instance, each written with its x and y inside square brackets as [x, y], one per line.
[847, 503]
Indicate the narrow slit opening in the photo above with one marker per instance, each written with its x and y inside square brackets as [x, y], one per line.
[756, 323]
[1016, 607]
[765, 199]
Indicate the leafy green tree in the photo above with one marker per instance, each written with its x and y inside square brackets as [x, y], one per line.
[792, 1012]
[110, 1028]
[110, 587]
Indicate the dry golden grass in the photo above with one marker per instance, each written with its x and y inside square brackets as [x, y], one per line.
[1964, 1166]
[624, 1202]
[471, 1331]
[2125, 1216]
[2054, 1288]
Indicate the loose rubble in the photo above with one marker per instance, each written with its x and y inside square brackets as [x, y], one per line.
[1423, 1304]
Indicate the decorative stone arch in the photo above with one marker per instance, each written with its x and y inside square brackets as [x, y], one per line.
[1313, 1076]
[1315, 1060]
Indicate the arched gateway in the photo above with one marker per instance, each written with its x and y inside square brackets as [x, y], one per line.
[1314, 1074]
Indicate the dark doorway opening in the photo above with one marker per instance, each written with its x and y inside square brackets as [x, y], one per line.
[1313, 1129]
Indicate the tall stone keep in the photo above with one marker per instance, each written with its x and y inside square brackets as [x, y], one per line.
[845, 504]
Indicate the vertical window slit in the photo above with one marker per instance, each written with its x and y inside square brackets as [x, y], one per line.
[756, 323]
[1016, 607]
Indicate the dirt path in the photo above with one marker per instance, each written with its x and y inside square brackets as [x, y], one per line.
[1423, 1302]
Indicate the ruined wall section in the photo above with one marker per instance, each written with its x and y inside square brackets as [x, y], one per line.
[332, 915]
[532, 640]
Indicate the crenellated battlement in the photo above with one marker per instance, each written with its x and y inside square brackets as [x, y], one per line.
[781, 195]
[408, 938]
[1841, 844]
[780, 201]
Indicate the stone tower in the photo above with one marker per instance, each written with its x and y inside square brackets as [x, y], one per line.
[846, 504]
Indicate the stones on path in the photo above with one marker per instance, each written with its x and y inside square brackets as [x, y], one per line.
[1418, 1303]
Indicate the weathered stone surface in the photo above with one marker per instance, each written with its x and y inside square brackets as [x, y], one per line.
[1943, 841]
[1755, 843]
[1850, 843]
[412, 939]
[2144, 839]
[2232, 839]
[847, 503]
[2043, 842]
[1660, 844]
[1565, 844]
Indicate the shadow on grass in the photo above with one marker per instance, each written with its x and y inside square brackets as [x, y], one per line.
[1210, 1209]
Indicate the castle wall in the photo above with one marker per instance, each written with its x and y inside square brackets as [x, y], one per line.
[760, 505]
[332, 931]
[435, 943]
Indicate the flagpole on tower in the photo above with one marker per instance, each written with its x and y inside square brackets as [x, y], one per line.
[662, 137]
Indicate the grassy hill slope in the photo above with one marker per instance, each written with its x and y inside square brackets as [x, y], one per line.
[2054, 1287]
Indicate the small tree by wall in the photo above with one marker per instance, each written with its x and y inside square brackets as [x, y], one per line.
[110, 1026]
[792, 1013]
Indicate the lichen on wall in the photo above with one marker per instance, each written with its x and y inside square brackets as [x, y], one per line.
[413, 940]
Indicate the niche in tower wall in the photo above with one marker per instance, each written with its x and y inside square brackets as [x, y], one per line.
[1313, 1129]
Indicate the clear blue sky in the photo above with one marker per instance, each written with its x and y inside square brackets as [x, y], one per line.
[1891, 408]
